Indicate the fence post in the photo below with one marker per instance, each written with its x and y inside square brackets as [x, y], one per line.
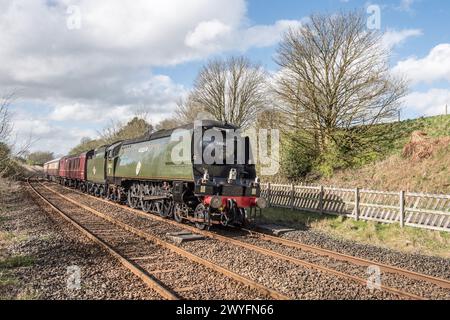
[292, 196]
[357, 207]
[269, 201]
[321, 199]
[402, 209]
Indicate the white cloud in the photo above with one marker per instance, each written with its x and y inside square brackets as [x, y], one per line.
[431, 70]
[261, 36]
[118, 37]
[104, 68]
[392, 38]
[428, 103]
[406, 5]
[46, 135]
[206, 32]
[74, 112]
[434, 67]
[215, 36]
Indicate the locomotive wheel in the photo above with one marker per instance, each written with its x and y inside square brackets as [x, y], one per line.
[146, 206]
[179, 212]
[202, 213]
[242, 216]
[100, 192]
[167, 209]
[133, 201]
[202, 226]
[157, 207]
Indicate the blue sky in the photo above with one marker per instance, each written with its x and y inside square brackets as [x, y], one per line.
[77, 64]
[430, 16]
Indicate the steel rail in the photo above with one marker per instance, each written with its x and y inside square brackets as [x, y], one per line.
[251, 247]
[444, 283]
[228, 273]
[149, 280]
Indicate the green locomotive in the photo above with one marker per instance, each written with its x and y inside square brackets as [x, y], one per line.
[166, 172]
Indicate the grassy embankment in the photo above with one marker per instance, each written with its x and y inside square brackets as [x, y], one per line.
[391, 171]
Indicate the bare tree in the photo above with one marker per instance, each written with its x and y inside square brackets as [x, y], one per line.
[335, 75]
[40, 157]
[5, 118]
[117, 130]
[5, 134]
[167, 124]
[10, 155]
[190, 109]
[86, 144]
[187, 111]
[143, 113]
[12, 147]
[271, 118]
[231, 90]
[110, 131]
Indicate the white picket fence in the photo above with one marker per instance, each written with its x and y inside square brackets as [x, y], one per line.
[421, 210]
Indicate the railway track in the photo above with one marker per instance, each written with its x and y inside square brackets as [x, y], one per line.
[274, 254]
[141, 253]
[443, 283]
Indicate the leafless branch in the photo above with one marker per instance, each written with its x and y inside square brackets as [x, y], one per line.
[231, 91]
[6, 126]
[335, 75]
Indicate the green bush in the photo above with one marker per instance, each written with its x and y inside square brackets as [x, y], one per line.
[298, 154]
[353, 148]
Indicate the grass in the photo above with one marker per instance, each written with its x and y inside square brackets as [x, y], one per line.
[16, 262]
[410, 240]
[28, 294]
[383, 171]
[7, 280]
[10, 237]
[4, 219]
[398, 133]
[395, 173]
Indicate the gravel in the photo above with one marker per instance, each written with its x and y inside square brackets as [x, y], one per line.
[420, 288]
[293, 280]
[190, 280]
[434, 266]
[54, 246]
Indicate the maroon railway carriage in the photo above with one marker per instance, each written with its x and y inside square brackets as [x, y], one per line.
[72, 171]
[51, 169]
[62, 168]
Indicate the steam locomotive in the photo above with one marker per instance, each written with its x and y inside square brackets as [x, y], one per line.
[201, 172]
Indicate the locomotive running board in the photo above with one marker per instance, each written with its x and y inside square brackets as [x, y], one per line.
[154, 198]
